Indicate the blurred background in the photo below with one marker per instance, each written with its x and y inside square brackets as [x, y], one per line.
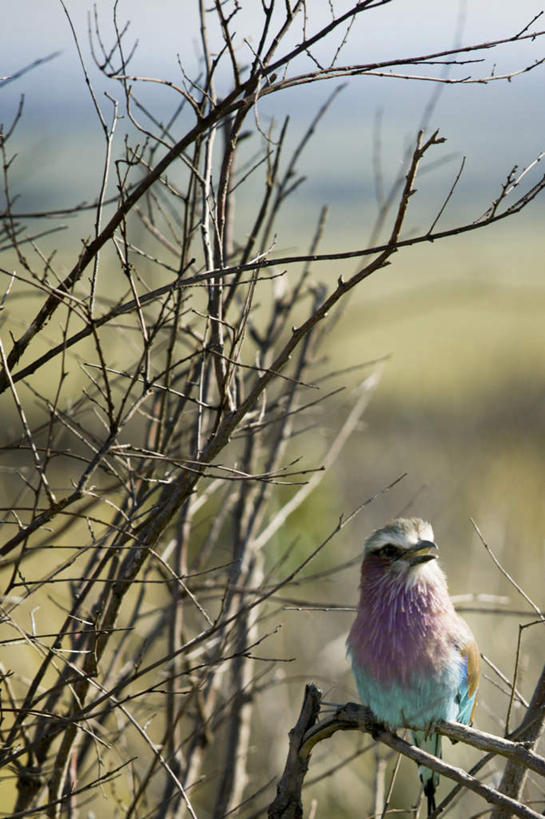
[457, 327]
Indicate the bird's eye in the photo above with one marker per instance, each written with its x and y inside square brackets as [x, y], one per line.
[390, 551]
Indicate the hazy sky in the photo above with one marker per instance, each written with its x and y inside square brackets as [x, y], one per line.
[164, 28]
[502, 123]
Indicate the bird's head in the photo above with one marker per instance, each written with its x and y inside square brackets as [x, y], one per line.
[403, 547]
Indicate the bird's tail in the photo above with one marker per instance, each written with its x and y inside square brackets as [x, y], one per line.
[429, 778]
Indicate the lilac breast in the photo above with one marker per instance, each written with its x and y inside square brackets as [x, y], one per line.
[402, 628]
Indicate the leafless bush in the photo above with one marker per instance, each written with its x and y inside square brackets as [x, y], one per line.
[139, 505]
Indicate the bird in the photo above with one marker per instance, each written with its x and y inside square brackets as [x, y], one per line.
[414, 659]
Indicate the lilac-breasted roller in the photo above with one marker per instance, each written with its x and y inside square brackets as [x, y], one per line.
[414, 659]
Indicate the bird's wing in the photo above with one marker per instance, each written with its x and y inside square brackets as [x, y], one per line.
[467, 690]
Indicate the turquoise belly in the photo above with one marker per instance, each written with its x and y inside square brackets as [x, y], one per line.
[416, 705]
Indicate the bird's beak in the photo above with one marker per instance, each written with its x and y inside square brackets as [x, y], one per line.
[421, 552]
